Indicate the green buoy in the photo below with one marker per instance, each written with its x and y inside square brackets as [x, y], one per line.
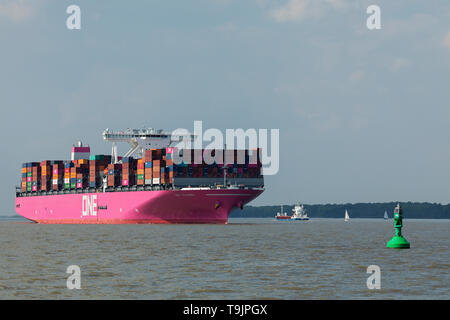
[398, 241]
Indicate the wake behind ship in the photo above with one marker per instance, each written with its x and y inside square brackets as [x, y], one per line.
[146, 185]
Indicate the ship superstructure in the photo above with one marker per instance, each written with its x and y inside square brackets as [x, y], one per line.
[299, 212]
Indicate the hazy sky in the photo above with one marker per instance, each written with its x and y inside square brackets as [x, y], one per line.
[363, 114]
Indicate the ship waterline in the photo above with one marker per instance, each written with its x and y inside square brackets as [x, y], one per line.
[211, 206]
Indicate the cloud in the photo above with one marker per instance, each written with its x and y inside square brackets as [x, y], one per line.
[227, 27]
[324, 122]
[412, 25]
[400, 63]
[357, 76]
[337, 3]
[297, 10]
[19, 10]
[292, 11]
[446, 40]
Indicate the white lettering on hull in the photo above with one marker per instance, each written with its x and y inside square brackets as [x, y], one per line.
[89, 205]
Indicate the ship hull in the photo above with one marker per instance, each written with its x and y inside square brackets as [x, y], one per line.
[136, 207]
[283, 217]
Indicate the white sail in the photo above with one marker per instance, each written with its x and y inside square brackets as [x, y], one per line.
[346, 216]
[386, 217]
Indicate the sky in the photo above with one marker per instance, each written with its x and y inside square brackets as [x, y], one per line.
[363, 114]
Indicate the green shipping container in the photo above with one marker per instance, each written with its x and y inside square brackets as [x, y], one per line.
[29, 174]
[140, 177]
[73, 185]
[97, 157]
[66, 185]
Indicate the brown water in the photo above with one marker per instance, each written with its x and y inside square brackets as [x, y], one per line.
[246, 259]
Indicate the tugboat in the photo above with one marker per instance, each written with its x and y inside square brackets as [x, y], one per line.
[299, 213]
[282, 215]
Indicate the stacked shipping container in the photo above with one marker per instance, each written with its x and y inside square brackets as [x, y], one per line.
[57, 178]
[82, 174]
[157, 167]
[148, 167]
[128, 171]
[114, 174]
[140, 172]
[46, 176]
[67, 174]
[97, 165]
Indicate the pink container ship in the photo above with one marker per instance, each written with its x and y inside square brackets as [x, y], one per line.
[151, 188]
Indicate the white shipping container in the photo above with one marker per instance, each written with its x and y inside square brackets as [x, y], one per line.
[155, 180]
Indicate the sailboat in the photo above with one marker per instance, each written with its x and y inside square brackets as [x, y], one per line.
[346, 216]
[386, 217]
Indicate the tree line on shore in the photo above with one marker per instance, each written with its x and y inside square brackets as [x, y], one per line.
[413, 210]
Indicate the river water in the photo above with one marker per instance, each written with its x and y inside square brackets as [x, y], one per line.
[246, 259]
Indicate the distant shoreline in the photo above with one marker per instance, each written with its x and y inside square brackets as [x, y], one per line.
[411, 210]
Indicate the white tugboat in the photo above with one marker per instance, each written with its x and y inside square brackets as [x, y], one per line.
[299, 213]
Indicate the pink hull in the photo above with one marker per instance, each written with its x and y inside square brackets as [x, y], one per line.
[164, 206]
